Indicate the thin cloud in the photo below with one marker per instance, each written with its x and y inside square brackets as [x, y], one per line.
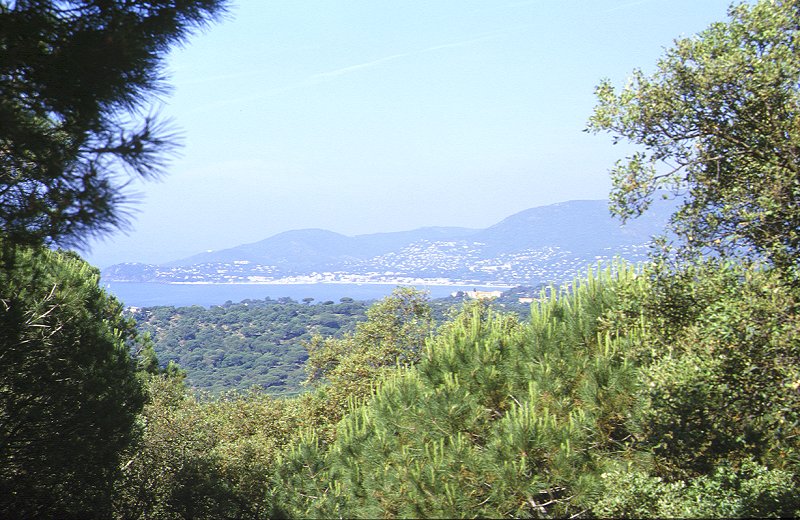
[221, 77]
[629, 4]
[464, 43]
[380, 61]
[361, 66]
[506, 6]
[252, 72]
[520, 4]
[323, 77]
[264, 94]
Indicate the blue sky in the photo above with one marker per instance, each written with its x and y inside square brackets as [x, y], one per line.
[363, 116]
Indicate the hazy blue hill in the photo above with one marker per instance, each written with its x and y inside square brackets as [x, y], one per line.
[580, 226]
[382, 243]
[543, 244]
[312, 248]
[298, 248]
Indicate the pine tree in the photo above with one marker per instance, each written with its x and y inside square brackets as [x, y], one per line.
[69, 392]
[498, 418]
[75, 77]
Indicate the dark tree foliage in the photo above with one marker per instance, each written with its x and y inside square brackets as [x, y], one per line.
[69, 393]
[75, 79]
[263, 343]
[75, 76]
[252, 343]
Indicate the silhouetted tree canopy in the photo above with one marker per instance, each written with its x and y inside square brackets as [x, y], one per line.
[69, 392]
[75, 81]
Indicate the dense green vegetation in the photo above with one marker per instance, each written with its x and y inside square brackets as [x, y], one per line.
[69, 392]
[75, 78]
[666, 390]
[501, 418]
[657, 393]
[252, 343]
[263, 343]
[628, 394]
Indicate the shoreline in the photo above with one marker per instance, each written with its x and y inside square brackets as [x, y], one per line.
[319, 282]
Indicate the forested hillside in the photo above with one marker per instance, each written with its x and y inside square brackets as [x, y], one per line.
[252, 343]
[263, 343]
[667, 389]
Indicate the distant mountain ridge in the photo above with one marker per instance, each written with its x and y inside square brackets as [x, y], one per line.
[541, 244]
[302, 246]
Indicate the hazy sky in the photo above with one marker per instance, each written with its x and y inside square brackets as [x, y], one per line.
[362, 116]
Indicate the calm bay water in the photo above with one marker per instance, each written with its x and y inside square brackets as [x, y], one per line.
[152, 294]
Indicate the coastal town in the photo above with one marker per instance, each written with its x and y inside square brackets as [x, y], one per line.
[420, 263]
